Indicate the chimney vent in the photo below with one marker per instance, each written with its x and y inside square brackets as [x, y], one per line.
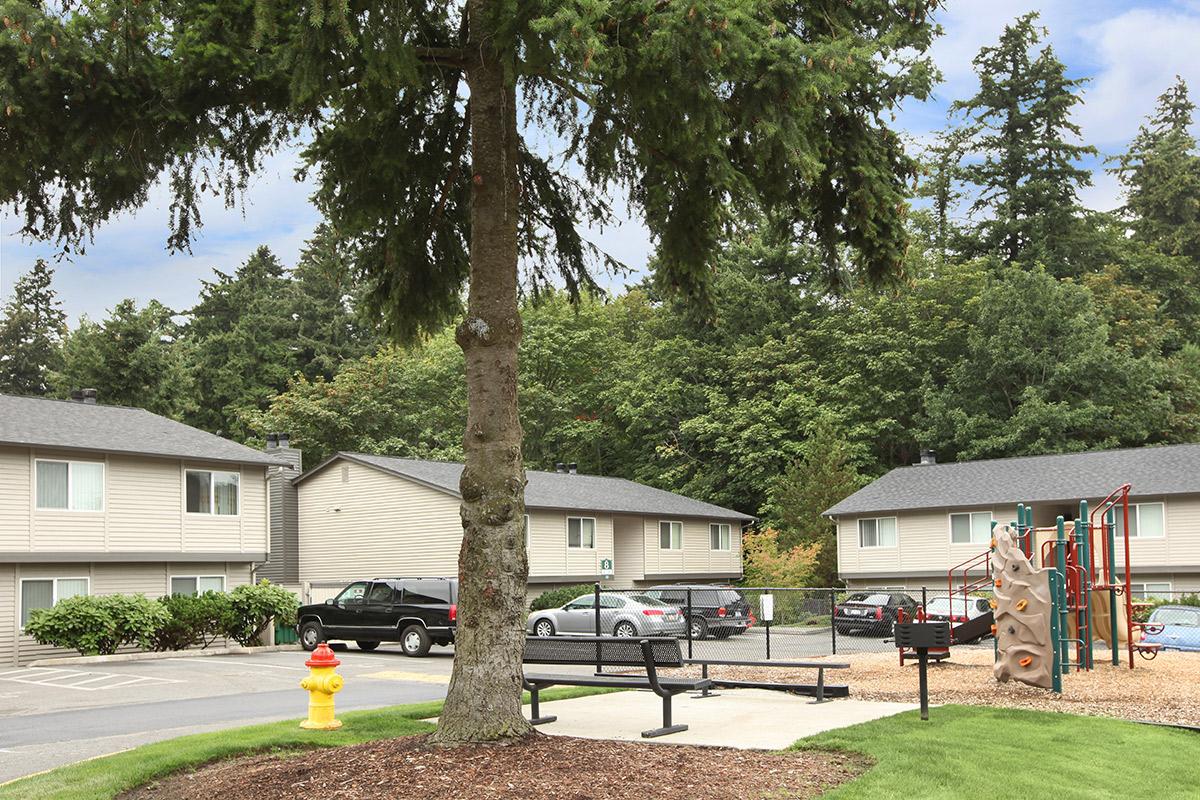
[928, 458]
[284, 439]
[560, 466]
[272, 441]
[573, 468]
[88, 396]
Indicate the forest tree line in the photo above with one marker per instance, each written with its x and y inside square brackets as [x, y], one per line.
[1024, 323]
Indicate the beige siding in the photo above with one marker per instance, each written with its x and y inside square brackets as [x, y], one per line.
[629, 551]
[696, 555]
[375, 524]
[8, 614]
[923, 542]
[143, 509]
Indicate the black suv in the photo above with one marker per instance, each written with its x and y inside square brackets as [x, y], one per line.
[873, 613]
[417, 612]
[717, 611]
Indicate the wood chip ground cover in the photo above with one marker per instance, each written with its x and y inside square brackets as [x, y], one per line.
[1165, 690]
[537, 768]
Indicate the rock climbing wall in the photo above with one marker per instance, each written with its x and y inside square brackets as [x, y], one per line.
[1025, 652]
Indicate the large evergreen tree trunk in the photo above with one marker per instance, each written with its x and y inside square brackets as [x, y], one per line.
[484, 700]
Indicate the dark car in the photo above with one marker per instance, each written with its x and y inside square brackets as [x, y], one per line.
[416, 612]
[872, 612]
[717, 611]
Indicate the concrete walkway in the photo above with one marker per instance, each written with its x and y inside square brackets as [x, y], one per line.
[755, 719]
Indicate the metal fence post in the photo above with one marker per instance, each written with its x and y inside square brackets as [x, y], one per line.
[599, 661]
[925, 600]
[688, 620]
[833, 619]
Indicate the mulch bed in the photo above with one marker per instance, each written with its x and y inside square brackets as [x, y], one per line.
[538, 767]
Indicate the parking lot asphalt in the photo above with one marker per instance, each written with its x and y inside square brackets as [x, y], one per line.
[58, 715]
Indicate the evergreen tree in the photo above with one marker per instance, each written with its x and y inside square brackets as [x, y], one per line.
[31, 333]
[1021, 159]
[1161, 176]
[410, 118]
[243, 333]
[132, 358]
[326, 308]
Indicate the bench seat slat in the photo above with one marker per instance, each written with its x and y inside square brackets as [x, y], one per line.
[628, 681]
[730, 662]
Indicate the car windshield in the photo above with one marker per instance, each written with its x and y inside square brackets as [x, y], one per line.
[647, 600]
[1173, 615]
[874, 599]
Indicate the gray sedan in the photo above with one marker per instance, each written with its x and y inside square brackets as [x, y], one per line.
[620, 615]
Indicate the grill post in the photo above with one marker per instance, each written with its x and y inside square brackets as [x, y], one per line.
[833, 619]
[599, 660]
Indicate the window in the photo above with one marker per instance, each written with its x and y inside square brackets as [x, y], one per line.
[1146, 521]
[972, 528]
[586, 601]
[877, 532]
[197, 584]
[427, 592]
[352, 593]
[581, 533]
[70, 485]
[670, 535]
[46, 592]
[1152, 590]
[212, 492]
[718, 535]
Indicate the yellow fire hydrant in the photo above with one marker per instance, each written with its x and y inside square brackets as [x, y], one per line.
[322, 684]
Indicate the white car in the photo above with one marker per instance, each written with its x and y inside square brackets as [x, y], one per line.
[956, 609]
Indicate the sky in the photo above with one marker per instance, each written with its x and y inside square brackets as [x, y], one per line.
[1131, 52]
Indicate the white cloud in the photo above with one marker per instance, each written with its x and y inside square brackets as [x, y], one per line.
[1141, 51]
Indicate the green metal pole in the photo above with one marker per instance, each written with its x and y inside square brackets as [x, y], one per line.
[1110, 532]
[1084, 528]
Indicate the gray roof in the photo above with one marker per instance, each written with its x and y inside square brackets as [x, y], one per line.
[556, 490]
[1173, 469]
[40, 422]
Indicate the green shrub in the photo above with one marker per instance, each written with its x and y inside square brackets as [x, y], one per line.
[98, 625]
[254, 607]
[556, 598]
[192, 620]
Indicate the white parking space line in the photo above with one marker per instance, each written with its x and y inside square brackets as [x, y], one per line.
[53, 677]
[217, 660]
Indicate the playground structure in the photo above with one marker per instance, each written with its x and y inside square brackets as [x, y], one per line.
[1050, 599]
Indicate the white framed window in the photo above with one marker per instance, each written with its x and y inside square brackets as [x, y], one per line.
[973, 527]
[670, 535]
[718, 536]
[877, 532]
[69, 485]
[1150, 590]
[581, 533]
[1146, 521]
[46, 592]
[212, 492]
[528, 533]
[197, 584]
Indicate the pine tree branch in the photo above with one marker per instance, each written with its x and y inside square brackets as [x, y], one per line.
[457, 57]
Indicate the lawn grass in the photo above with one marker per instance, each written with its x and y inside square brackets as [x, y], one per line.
[973, 751]
[106, 777]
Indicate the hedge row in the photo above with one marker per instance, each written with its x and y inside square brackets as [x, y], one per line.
[102, 624]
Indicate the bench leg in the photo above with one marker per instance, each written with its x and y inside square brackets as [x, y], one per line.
[667, 727]
[820, 685]
[536, 717]
[706, 691]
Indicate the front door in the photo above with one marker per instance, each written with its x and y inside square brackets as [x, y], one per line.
[343, 618]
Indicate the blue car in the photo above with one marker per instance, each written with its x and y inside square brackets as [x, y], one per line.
[1180, 628]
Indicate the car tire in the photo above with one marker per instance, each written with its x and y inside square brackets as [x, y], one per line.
[311, 635]
[415, 641]
[367, 647]
[625, 630]
[699, 628]
[543, 628]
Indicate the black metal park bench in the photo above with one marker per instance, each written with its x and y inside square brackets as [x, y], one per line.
[820, 690]
[649, 654]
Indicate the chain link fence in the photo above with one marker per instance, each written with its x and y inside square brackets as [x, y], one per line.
[759, 623]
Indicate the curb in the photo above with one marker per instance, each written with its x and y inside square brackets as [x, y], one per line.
[124, 657]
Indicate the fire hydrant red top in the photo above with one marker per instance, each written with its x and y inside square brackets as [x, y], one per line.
[322, 657]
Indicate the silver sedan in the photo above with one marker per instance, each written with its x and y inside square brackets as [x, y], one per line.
[620, 615]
